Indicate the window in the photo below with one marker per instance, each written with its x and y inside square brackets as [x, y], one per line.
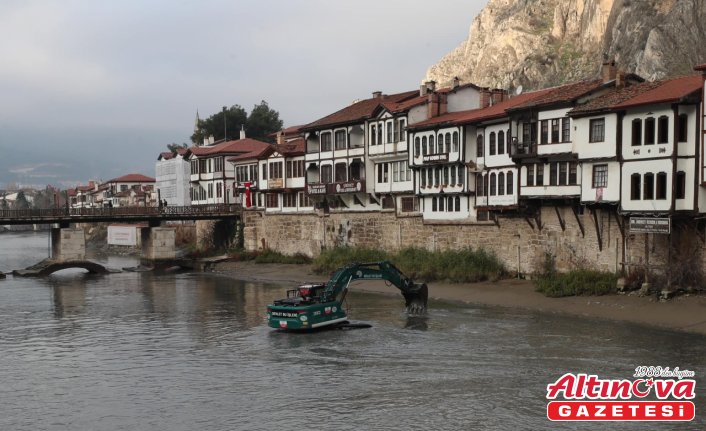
[636, 132]
[441, 203]
[540, 174]
[326, 141]
[203, 166]
[453, 175]
[635, 182]
[680, 190]
[219, 190]
[457, 200]
[383, 172]
[544, 134]
[423, 178]
[354, 171]
[565, 130]
[326, 174]
[600, 176]
[683, 128]
[409, 204]
[479, 146]
[275, 170]
[433, 204]
[289, 200]
[492, 185]
[432, 149]
[304, 200]
[555, 131]
[417, 146]
[510, 179]
[663, 130]
[562, 173]
[340, 139]
[295, 168]
[530, 175]
[553, 171]
[661, 186]
[271, 200]
[491, 144]
[649, 131]
[264, 171]
[501, 183]
[424, 145]
[446, 175]
[210, 190]
[501, 142]
[194, 167]
[437, 177]
[448, 143]
[461, 175]
[373, 135]
[455, 142]
[218, 164]
[596, 130]
[402, 130]
[480, 181]
[648, 191]
[573, 177]
[390, 127]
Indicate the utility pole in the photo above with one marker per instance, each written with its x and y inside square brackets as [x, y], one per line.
[225, 125]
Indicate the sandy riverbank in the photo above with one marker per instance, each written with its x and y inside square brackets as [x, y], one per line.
[684, 313]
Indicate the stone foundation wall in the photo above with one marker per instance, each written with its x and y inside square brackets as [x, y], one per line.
[68, 244]
[589, 240]
[158, 243]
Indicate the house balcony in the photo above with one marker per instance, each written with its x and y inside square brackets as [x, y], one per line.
[523, 150]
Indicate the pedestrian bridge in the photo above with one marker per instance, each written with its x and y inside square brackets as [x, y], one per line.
[153, 215]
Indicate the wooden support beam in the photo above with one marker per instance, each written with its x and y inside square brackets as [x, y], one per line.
[529, 222]
[598, 231]
[562, 222]
[578, 220]
[538, 219]
[621, 225]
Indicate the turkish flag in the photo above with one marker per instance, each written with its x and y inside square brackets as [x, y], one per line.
[248, 202]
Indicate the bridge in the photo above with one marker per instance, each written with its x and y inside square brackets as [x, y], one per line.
[151, 215]
[158, 243]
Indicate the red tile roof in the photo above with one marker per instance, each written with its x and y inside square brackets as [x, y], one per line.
[165, 155]
[700, 67]
[614, 97]
[132, 178]
[671, 90]
[358, 111]
[295, 147]
[404, 105]
[236, 147]
[477, 115]
[256, 153]
[563, 94]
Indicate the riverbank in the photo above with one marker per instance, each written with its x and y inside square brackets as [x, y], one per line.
[683, 313]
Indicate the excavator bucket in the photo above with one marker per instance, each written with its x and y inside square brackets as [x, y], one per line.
[416, 299]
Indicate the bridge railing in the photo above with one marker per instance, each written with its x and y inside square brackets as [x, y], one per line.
[165, 212]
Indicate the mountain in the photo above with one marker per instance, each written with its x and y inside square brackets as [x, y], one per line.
[541, 43]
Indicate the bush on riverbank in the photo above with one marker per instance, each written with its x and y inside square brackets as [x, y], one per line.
[577, 283]
[270, 256]
[459, 266]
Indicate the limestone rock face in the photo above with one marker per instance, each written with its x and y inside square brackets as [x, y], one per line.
[540, 43]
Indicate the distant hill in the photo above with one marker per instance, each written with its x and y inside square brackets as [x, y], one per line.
[540, 43]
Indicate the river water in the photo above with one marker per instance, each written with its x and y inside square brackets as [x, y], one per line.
[137, 351]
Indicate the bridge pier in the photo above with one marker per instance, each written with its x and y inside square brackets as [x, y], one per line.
[159, 243]
[68, 244]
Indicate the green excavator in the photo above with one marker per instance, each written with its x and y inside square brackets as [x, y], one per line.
[316, 305]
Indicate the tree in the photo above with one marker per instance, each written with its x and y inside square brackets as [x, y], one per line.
[21, 203]
[262, 122]
[4, 205]
[174, 147]
[235, 116]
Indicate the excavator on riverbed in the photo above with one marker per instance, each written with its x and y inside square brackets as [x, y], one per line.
[316, 305]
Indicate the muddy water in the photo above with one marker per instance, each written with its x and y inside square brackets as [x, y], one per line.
[135, 351]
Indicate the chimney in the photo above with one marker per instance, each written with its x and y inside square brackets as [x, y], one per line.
[620, 79]
[280, 137]
[608, 71]
[484, 98]
[431, 86]
[211, 140]
[436, 105]
[497, 96]
[377, 94]
[422, 90]
[456, 82]
[242, 131]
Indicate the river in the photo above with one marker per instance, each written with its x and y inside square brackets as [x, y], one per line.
[137, 351]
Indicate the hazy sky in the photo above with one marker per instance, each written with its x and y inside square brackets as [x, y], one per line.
[93, 89]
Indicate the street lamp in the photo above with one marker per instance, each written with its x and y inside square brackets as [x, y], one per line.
[225, 125]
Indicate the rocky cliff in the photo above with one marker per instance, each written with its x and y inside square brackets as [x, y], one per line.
[540, 43]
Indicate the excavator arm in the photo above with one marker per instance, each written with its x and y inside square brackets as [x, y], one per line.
[415, 294]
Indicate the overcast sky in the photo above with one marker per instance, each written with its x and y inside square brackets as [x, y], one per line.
[93, 89]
